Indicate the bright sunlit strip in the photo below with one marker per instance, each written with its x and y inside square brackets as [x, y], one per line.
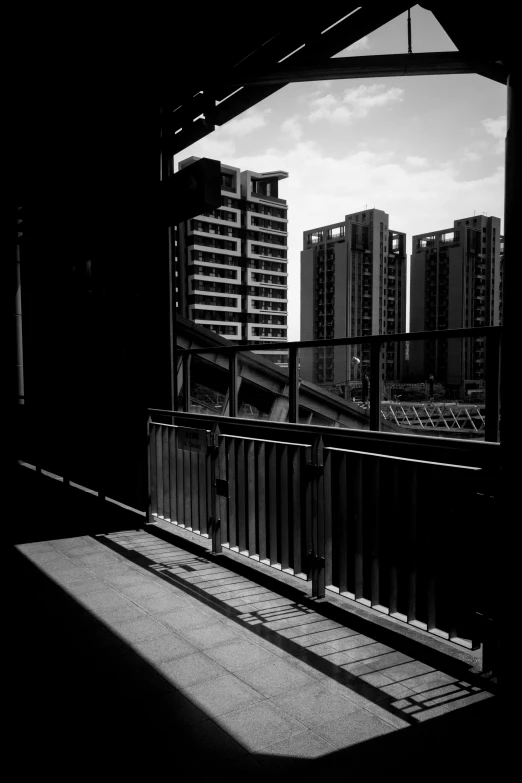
[341, 20]
[291, 53]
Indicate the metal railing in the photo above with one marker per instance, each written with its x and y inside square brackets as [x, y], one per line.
[393, 523]
[492, 336]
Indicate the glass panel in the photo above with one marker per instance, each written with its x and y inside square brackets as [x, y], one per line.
[208, 385]
[440, 391]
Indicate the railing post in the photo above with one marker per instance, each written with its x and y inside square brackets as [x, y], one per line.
[232, 384]
[293, 388]
[214, 521]
[149, 473]
[316, 552]
[492, 388]
[186, 382]
[375, 385]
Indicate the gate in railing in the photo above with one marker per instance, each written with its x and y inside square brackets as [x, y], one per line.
[403, 536]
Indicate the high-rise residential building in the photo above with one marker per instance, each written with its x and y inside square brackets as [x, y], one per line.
[455, 283]
[232, 262]
[353, 282]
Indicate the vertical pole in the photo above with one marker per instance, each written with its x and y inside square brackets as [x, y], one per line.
[409, 32]
[506, 575]
[293, 391]
[215, 521]
[149, 474]
[375, 385]
[317, 550]
[492, 387]
[166, 170]
[232, 383]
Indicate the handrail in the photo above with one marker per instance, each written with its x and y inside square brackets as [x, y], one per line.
[491, 333]
[439, 334]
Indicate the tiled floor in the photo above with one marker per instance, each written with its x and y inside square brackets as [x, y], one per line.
[256, 681]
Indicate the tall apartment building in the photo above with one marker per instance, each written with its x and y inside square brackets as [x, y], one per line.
[353, 282]
[232, 262]
[455, 283]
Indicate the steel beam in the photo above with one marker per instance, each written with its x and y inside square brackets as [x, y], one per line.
[424, 64]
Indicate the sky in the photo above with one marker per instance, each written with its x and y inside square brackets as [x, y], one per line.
[427, 150]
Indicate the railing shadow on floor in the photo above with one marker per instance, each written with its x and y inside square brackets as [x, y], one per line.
[81, 693]
[81, 697]
[296, 618]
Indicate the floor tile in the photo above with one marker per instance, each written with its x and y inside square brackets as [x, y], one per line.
[315, 705]
[160, 603]
[238, 655]
[191, 669]
[211, 635]
[259, 725]
[186, 618]
[306, 745]
[351, 729]
[164, 648]
[143, 590]
[275, 677]
[406, 671]
[136, 630]
[427, 681]
[220, 695]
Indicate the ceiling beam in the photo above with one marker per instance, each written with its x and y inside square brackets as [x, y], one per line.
[429, 63]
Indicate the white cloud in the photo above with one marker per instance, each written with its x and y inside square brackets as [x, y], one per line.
[293, 128]
[359, 46]
[497, 128]
[356, 103]
[415, 160]
[246, 123]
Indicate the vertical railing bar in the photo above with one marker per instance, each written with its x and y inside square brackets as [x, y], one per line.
[150, 469]
[393, 546]
[172, 475]
[375, 386]
[166, 472]
[293, 388]
[296, 509]
[159, 469]
[214, 457]
[180, 481]
[321, 588]
[251, 497]
[342, 522]
[284, 514]
[203, 494]
[359, 528]
[328, 489]
[232, 384]
[232, 492]
[272, 501]
[223, 502]
[195, 491]
[375, 544]
[493, 349]
[187, 489]
[306, 488]
[261, 500]
[412, 542]
[153, 479]
[241, 480]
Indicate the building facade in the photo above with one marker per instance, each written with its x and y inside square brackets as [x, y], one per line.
[353, 282]
[231, 264]
[455, 283]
